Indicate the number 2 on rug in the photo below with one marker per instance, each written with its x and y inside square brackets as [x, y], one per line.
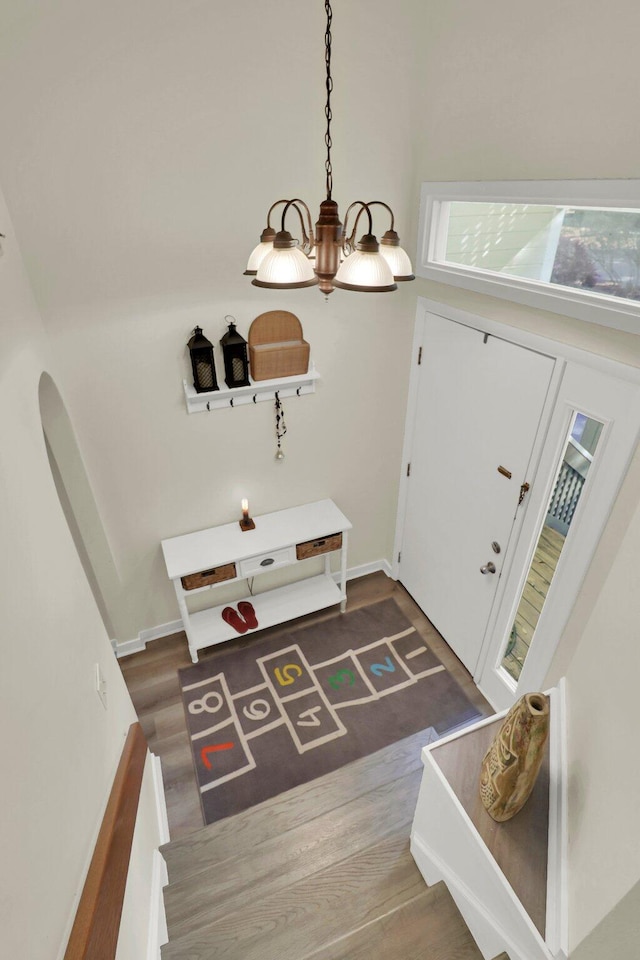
[377, 669]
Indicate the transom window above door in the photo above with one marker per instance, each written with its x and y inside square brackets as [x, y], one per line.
[572, 247]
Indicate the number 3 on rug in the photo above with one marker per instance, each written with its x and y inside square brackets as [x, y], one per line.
[342, 677]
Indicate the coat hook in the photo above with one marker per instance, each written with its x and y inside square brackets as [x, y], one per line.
[298, 391]
[254, 398]
[277, 395]
[231, 401]
[209, 406]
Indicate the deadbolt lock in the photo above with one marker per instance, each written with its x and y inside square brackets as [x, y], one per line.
[495, 546]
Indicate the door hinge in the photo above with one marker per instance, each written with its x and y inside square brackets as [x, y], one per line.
[408, 469]
[419, 356]
[399, 555]
[524, 489]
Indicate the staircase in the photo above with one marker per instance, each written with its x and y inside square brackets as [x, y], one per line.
[321, 872]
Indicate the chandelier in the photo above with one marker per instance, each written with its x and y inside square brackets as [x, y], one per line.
[330, 257]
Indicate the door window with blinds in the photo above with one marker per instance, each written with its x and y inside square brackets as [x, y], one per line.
[575, 243]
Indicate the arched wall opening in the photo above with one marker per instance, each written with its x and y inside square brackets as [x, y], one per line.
[78, 503]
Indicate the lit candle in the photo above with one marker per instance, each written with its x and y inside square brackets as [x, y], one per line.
[245, 509]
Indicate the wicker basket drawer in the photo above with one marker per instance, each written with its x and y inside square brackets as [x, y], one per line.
[272, 360]
[313, 548]
[206, 577]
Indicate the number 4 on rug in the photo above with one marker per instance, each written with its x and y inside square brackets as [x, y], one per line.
[313, 721]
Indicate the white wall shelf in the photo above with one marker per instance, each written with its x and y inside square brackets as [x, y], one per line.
[256, 392]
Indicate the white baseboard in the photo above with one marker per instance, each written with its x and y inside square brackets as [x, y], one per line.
[161, 801]
[125, 648]
[164, 630]
[353, 573]
[158, 934]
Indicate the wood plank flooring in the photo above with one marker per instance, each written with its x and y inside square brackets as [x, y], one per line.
[322, 872]
[338, 881]
[152, 679]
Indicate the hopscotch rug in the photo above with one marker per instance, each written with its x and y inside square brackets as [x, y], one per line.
[276, 711]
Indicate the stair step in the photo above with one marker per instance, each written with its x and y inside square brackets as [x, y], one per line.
[240, 834]
[299, 919]
[429, 926]
[283, 860]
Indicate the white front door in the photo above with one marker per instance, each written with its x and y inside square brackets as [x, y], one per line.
[479, 405]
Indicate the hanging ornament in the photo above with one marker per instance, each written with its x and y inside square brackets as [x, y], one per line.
[281, 427]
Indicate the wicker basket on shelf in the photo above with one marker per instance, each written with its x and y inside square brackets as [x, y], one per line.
[276, 346]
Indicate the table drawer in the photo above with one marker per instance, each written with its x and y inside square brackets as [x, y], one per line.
[267, 561]
[206, 577]
[313, 548]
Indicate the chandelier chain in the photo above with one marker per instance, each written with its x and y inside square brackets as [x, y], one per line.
[329, 86]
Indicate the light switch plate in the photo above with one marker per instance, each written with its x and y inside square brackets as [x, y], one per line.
[101, 685]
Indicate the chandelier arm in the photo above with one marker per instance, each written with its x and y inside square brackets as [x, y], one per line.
[350, 238]
[272, 208]
[308, 237]
[381, 203]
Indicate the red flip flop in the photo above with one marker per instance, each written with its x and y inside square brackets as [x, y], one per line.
[234, 620]
[249, 614]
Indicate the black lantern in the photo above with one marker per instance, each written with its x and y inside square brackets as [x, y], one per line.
[204, 371]
[236, 364]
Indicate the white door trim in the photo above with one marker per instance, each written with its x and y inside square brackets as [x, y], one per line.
[546, 455]
[616, 404]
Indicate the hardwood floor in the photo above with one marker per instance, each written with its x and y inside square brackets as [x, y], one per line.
[322, 872]
[152, 679]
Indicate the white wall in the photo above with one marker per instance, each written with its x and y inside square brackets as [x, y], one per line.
[512, 91]
[604, 782]
[620, 927]
[60, 748]
[145, 146]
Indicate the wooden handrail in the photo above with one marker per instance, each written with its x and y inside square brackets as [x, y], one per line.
[94, 935]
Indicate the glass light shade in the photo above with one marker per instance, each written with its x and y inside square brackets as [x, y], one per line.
[398, 261]
[257, 256]
[285, 268]
[365, 271]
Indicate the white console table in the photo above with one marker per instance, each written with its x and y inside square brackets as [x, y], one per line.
[208, 558]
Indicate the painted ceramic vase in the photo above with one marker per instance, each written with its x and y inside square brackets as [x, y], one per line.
[512, 762]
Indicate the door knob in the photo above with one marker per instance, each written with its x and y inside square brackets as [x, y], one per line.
[488, 568]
